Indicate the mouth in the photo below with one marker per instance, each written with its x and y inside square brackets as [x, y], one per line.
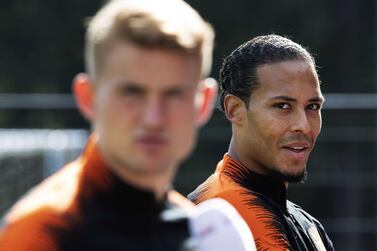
[297, 147]
[152, 141]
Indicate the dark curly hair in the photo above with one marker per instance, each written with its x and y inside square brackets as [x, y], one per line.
[238, 71]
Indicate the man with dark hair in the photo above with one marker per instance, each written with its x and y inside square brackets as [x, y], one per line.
[270, 92]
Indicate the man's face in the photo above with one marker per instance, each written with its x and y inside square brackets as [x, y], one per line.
[145, 113]
[283, 119]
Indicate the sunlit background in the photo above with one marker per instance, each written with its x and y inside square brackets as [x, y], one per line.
[41, 47]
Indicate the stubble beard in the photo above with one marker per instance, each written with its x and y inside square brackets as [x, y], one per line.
[289, 177]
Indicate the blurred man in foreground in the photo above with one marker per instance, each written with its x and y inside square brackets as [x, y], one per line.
[146, 94]
[270, 92]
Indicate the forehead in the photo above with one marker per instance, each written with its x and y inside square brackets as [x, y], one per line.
[155, 67]
[292, 78]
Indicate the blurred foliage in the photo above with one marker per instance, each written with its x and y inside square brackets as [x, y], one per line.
[19, 172]
[41, 42]
[341, 34]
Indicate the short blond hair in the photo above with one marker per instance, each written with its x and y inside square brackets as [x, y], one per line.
[167, 24]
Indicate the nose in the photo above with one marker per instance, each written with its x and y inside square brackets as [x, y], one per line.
[300, 123]
[153, 114]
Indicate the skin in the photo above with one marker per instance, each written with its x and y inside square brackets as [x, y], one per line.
[277, 131]
[146, 107]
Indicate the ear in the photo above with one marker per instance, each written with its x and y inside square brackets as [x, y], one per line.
[84, 94]
[206, 100]
[234, 109]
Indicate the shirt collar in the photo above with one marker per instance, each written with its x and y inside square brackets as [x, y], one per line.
[269, 186]
[98, 183]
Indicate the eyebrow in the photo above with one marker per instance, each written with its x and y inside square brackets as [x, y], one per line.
[131, 85]
[290, 99]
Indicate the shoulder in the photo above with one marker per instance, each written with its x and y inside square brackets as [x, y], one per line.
[265, 226]
[216, 185]
[32, 232]
[314, 228]
[39, 212]
[300, 214]
[56, 193]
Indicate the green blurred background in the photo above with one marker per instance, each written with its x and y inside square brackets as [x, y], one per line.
[41, 49]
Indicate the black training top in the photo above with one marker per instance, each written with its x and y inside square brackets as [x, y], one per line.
[276, 223]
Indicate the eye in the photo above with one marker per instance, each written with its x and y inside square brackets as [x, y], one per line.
[314, 106]
[283, 106]
[174, 93]
[131, 91]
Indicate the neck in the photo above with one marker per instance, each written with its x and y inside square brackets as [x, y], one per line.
[157, 183]
[268, 185]
[235, 153]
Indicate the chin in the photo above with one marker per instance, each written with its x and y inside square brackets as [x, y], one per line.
[294, 177]
[157, 167]
[290, 176]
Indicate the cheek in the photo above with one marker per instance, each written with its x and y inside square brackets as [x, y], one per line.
[317, 125]
[272, 128]
[115, 117]
[183, 122]
[181, 111]
[104, 101]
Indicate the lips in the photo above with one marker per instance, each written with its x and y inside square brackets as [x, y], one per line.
[297, 147]
[152, 141]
